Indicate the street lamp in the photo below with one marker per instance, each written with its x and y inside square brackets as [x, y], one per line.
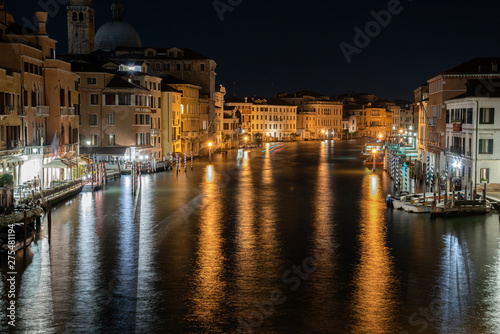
[374, 151]
[210, 152]
[88, 143]
[246, 140]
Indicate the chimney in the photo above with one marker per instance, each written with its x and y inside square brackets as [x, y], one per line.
[42, 22]
[494, 66]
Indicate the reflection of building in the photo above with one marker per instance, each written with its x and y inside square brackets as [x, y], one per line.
[467, 147]
[45, 102]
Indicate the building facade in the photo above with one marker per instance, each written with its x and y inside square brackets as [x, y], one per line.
[171, 110]
[47, 103]
[273, 119]
[472, 137]
[120, 112]
[319, 116]
[448, 85]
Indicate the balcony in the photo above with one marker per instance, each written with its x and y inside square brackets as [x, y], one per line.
[22, 111]
[457, 125]
[35, 150]
[15, 144]
[456, 150]
[69, 148]
[6, 111]
[71, 112]
[42, 111]
[189, 134]
[143, 109]
[64, 112]
[432, 121]
[155, 132]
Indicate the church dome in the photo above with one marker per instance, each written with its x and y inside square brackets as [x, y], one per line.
[116, 32]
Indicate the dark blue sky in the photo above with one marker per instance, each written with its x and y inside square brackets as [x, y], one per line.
[268, 47]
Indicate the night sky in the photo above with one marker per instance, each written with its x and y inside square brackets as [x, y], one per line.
[267, 47]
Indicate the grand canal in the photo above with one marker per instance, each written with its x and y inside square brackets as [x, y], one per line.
[299, 241]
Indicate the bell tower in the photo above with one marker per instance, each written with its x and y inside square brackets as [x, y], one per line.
[81, 27]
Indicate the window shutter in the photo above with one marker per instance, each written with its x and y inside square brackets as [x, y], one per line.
[490, 146]
[492, 116]
[481, 115]
[480, 146]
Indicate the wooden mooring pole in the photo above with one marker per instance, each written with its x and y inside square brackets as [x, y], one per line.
[49, 219]
[25, 229]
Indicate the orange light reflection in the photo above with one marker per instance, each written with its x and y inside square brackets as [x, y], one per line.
[375, 303]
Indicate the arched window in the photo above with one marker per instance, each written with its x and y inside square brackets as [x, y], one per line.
[81, 16]
[74, 16]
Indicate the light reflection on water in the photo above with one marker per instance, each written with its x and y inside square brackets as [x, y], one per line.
[196, 252]
[492, 318]
[323, 291]
[456, 286]
[374, 302]
[87, 277]
[147, 275]
[207, 296]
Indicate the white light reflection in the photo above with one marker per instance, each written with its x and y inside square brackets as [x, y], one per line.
[146, 272]
[86, 276]
[456, 286]
[210, 174]
[374, 185]
[493, 299]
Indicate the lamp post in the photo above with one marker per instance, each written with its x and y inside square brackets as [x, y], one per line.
[374, 151]
[246, 141]
[210, 152]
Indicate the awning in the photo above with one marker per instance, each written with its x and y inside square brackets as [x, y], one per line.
[56, 163]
